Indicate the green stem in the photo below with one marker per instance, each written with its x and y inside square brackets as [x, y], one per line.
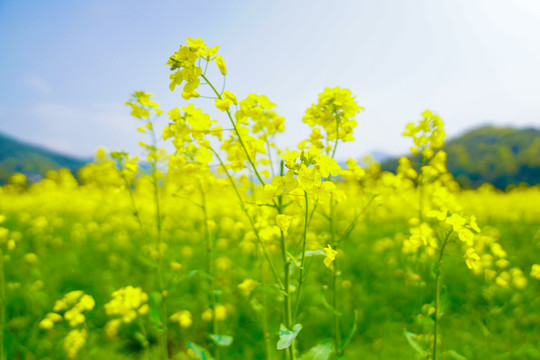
[237, 132]
[352, 224]
[437, 292]
[269, 149]
[143, 332]
[302, 261]
[335, 304]
[421, 189]
[210, 269]
[163, 336]
[243, 206]
[134, 205]
[337, 134]
[287, 308]
[158, 272]
[264, 315]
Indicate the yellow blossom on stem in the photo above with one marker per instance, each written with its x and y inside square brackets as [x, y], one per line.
[330, 255]
[283, 221]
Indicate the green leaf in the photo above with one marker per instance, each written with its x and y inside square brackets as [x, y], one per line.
[155, 310]
[200, 352]
[327, 305]
[257, 306]
[202, 274]
[454, 355]
[315, 252]
[411, 338]
[141, 339]
[353, 331]
[294, 260]
[321, 351]
[221, 340]
[146, 261]
[286, 336]
[274, 287]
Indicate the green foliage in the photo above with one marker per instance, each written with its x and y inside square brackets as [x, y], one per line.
[221, 340]
[287, 336]
[200, 352]
[321, 351]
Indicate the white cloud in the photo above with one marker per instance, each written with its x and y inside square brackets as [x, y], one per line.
[81, 130]
[37, 83]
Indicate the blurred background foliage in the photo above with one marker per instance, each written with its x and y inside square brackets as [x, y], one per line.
[489, 154]
[500, 156]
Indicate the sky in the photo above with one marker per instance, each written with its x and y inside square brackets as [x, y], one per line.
[67, 67]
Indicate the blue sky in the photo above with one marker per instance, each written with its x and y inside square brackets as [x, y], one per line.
[67, 67]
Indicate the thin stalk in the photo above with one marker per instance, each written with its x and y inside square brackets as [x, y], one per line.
[437, 292]
[352, 224]
[287, 308]
[134, 205]
[163, 336]
[336, 314]
[421, 186]
[302, 261]
[268, 148]
[163, 341]
[237, 132]
[143, 332]
[243, 206]
[335, 295]
[210, 269]
[264, 316]
[337, 135]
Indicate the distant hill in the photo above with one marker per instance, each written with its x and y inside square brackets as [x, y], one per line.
[31, 160]
[500, 156]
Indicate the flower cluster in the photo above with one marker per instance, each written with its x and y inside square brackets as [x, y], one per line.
[427, 135]
[142, 106]
[188, 69]
[126, 304]
[72, 305]
[182, 318]
[334, 112]
[306, 174]
[265, 121]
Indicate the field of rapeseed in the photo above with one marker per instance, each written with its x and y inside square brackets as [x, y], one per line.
[234, 248]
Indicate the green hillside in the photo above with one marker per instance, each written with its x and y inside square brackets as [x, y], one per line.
[500, 156]
[31, 160]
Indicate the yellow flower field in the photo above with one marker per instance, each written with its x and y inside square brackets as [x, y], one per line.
[235, 248]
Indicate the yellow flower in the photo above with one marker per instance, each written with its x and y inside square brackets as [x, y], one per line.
[227, 95]
[222, 105]
[283, 221]
[535, 271]
[290, 158]
[49, 321]
[74, 341]
[330, 255]
[328, 166]
[183, 318]
[127, 302]
[247, 286]
[472, 259]
[220, 312]
[221, 65]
